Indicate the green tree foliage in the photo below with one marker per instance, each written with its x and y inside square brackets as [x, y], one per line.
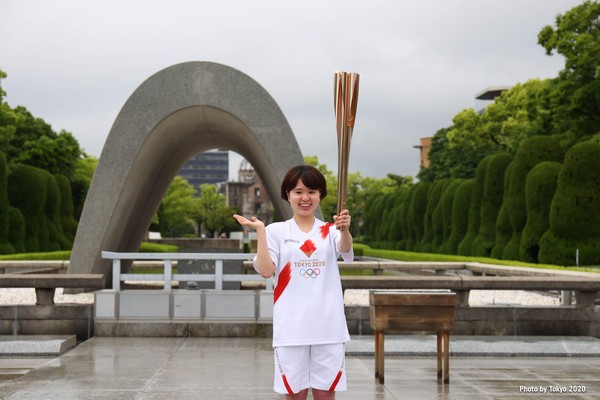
[493, 192]
[465, 246]
[531, 152]
[518, 113]
[539, 189]
[359, 189]
[5, 246]
[460, 214]
[179, 210]
[575, 93]
[214, 214]
[574, 220]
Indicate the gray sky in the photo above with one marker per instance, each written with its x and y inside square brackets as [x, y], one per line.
[75, 63]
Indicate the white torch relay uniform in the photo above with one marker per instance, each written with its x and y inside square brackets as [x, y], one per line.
[308, 299]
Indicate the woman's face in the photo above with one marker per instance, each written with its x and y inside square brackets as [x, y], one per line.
[304, 201]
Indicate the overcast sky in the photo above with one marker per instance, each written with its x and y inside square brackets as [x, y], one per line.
[75, 63]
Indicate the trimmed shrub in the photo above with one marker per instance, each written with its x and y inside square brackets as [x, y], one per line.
[447, 201]
[531, 152]
[539, 190]
[395, 233]
[52, 214]
[574, 216]
[373, 212]
[434, 196]
[27, 192]
[416, 213]
[503, 229]
[493, 193]
[67, 220]
[5, 246]
[460, 214]
[406, 221]
[464, 248]
[16, 235]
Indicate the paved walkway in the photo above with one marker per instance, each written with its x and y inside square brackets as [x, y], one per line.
[242, 368]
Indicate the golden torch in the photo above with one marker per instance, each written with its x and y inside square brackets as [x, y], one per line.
[345, 97]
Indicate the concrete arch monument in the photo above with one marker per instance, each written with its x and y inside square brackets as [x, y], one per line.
[178, 112]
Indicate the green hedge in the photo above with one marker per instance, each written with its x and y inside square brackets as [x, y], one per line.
[431, 227]
[531, 151]
[447, 206]
[460, 215]
[5, 246]
[503, 229]
[493, 193]
[416, 214]
[539, 189]
[465, 246]
[27, 192]
[574, 216]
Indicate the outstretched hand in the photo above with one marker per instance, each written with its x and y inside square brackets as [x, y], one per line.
[253, 222]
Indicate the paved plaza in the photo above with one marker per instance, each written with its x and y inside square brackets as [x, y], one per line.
[242, 368]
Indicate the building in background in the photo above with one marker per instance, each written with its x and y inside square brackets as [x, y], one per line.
[249, 194]
[210, 167]
[424, 147]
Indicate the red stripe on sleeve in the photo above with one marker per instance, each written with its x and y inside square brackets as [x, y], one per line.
[282, 281]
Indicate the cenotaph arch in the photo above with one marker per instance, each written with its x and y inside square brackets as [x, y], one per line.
[178, 112]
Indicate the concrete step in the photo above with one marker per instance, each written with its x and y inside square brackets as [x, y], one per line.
[36, 345]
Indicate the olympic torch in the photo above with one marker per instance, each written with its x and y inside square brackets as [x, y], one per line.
[345, 97]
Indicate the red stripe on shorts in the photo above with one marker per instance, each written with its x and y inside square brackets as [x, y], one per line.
[335, 381]
[287, 385]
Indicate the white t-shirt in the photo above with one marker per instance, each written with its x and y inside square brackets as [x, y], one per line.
[308, 300]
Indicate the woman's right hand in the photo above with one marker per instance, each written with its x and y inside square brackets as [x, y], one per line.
[253, 223]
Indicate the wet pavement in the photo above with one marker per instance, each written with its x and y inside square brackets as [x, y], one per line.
[242, 368]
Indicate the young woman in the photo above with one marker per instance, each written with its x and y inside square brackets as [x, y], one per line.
[309, 325]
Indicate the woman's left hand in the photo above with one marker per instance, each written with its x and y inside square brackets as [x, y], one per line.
[342, 221]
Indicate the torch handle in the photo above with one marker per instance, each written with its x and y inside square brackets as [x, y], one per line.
[345, 103]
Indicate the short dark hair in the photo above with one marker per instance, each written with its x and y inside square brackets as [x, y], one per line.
[309, 175]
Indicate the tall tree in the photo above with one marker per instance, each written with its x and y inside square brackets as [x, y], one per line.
[576, 91]
[213, 213]
[178, 210]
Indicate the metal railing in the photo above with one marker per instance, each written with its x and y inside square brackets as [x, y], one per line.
[167, 277]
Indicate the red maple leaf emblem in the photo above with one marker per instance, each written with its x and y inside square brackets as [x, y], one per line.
[308, 248]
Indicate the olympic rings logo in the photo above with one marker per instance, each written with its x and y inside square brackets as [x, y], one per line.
[310, 273]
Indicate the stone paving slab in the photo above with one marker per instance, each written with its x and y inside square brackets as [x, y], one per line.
[242, 368]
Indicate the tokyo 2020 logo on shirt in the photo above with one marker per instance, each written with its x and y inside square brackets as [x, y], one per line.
[308, 273]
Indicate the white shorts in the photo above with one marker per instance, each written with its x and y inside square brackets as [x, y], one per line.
[316, 366]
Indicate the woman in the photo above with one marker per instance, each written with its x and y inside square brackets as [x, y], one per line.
[309, 325]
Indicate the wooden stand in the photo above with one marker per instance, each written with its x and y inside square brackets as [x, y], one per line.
[413, 311]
